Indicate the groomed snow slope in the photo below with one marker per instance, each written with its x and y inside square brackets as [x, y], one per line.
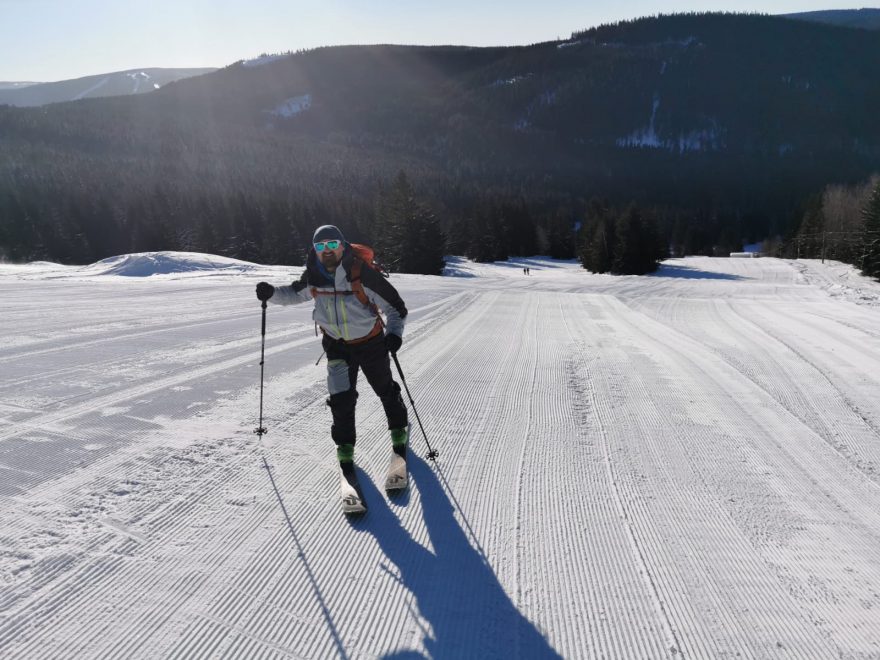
[682, 465]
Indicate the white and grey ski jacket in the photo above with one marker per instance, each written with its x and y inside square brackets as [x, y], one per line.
[338, 311]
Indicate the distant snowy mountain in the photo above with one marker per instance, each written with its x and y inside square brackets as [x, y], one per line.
[120, 83]
[867, 19]
[670, 111]
[16, 85]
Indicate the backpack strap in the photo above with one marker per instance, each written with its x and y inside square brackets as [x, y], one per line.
[357, 286]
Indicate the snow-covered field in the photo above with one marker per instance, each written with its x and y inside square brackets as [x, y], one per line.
[681, 465]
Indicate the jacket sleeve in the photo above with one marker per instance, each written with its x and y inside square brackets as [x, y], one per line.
[292, 294]
[382, 294]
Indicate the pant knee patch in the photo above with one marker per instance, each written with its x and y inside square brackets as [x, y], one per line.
[338, 376]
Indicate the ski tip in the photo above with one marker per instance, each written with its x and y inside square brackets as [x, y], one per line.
[353, 509]
[395, 489]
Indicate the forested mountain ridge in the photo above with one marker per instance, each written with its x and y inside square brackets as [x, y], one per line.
[118, 83]
[866, 18]
[723, 122]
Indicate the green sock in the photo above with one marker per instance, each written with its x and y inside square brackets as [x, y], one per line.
[399, 437]
[345, 453]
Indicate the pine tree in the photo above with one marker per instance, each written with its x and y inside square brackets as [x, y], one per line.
[871, 226]
[626, 229]
[483, 245]
[458, 236]
[809, 237]
[409, 235]
[561, 235]
[638, 249]
[597, 250]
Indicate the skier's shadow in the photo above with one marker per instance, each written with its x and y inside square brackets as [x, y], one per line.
[456, 591]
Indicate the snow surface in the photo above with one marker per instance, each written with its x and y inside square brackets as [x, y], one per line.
[704, 139]
[264, 59]
[292, 106]
[505, 82]
[680, 465]
[645, 137]
[94, 88]
[138, 78]
[139, 264]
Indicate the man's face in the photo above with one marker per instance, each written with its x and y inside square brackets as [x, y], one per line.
[330, 257]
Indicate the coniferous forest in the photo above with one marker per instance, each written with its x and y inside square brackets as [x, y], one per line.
[620, 146]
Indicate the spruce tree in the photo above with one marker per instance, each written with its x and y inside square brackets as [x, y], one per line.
[483, 237]
[809, 237]
[871, 226]
[598, 250]
[638, 248]
[409, 235]
[626, 230]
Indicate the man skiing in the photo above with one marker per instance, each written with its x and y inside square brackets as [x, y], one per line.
[348, 295]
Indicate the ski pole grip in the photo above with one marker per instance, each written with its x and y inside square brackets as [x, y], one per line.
[264, 318]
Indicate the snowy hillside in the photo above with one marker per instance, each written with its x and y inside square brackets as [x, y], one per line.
[119, 83]
[680, 465]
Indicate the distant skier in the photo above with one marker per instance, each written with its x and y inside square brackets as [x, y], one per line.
[348, 295]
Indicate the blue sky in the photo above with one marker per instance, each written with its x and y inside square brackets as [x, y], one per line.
[45, 40]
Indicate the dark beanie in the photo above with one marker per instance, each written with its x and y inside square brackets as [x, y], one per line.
[327, 233]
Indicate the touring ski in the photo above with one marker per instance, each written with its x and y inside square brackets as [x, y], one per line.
[352, 497]
[397, 478]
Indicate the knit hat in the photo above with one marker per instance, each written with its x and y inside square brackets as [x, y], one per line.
[327, 233]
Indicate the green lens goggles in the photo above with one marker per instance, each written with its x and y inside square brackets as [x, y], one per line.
[328, 245]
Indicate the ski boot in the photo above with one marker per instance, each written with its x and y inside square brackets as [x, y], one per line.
[352, 497]
[397, 478]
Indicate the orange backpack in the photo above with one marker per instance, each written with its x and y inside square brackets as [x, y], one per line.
[363, 255]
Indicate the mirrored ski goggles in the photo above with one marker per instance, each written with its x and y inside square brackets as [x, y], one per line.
[329, 245]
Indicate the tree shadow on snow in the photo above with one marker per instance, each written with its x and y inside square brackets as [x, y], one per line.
[686, 272]
[455, 589]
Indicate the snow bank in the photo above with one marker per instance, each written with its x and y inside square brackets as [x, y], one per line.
[146, 264]
[839, 280]
[163, 265]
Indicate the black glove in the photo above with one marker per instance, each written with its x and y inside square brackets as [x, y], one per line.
[393, 342]
[265, 291]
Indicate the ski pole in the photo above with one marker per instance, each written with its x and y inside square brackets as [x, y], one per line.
[261, 430]
[432, 453]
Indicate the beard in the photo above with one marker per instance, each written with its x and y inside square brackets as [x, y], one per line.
[329, 260]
